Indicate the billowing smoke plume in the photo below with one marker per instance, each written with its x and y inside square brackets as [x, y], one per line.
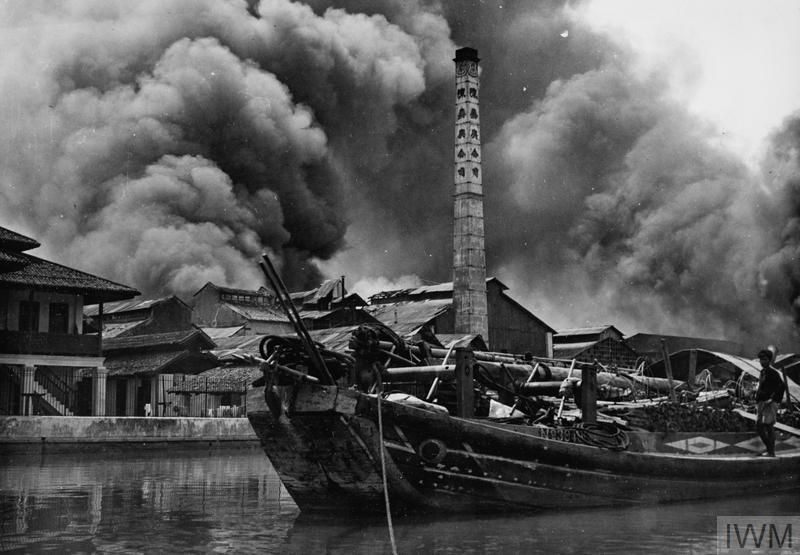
[166, 144]
[779, 271]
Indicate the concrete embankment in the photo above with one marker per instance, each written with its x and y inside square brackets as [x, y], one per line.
[26, 432]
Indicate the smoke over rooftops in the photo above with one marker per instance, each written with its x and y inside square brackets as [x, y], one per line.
[167, 144]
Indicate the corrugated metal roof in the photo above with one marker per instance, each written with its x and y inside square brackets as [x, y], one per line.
[256, 313]
[587, 331]
[128, 306]
[314, 314]
[247, 344]
[405, 318]
[571, 350]
[314, 295]
[327, 287]
[43, 274]
[334, 339]
[572, 346]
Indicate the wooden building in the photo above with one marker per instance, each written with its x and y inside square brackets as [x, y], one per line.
[142, 369]
[512, 327]
[139, 317]
[48, 363]
[224, 307]
[604, 344]
[330, 306]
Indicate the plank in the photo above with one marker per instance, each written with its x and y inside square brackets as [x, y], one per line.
[778, 425]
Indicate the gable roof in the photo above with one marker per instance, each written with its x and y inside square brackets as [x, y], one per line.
[444, 292]
[45, 275]
[588, 331]
[13, 241]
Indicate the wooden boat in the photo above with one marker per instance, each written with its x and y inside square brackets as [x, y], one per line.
[326, 447]
[339, 448]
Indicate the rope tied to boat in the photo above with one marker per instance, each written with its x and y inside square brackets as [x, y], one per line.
[605, 435]
[379, 386]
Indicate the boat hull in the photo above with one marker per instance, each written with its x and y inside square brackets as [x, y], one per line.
[328, 451]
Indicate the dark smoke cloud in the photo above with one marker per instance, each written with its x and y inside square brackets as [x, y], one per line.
[165, 144]
[780, 270]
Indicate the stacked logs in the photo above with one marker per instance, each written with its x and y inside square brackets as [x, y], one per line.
[668, 417]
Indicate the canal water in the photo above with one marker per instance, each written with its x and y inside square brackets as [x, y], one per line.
[232, 501]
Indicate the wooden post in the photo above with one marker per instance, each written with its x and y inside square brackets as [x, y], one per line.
[465, 395]
[100, 330]
[692, 369]
[668, 369]
[28, 390]
[589, 394]
[99, 383]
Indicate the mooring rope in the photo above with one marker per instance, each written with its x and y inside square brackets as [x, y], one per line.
[383, 476]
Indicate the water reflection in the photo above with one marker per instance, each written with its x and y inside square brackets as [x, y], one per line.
[143, 502]
[233, 501]
[674, 528]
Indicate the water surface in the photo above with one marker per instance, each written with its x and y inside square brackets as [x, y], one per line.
[232, 501]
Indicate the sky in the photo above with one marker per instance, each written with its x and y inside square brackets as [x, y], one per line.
[640, 159]
[728, 62]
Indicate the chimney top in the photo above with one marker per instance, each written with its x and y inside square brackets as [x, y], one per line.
[466, 54]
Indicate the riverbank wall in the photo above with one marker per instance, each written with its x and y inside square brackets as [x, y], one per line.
[27, 433]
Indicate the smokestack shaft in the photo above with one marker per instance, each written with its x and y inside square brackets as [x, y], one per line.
[469, 259]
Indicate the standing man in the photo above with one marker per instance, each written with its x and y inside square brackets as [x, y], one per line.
[768, 395]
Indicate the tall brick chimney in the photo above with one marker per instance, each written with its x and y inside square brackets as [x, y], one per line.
[469, 259]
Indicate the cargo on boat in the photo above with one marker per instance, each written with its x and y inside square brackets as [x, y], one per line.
[341, 427]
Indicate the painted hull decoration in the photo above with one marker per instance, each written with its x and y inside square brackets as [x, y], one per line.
[489, 435]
